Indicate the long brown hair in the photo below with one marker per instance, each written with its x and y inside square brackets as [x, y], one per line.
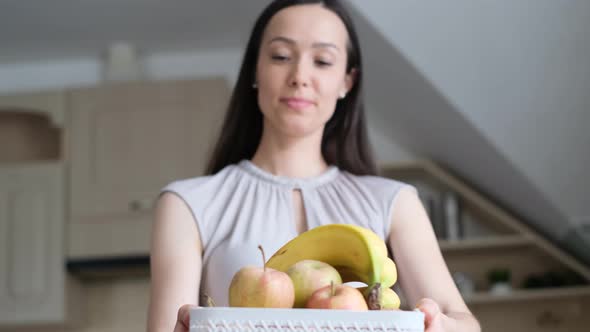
[344, 143]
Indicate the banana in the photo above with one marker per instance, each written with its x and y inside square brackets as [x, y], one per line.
[388, 273]
[380, 298]
[356, 252]
[389, 299]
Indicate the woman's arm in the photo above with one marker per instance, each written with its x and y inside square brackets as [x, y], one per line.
[175, 262]
[423, 273]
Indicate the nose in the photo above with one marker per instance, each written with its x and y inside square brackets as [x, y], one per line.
[299, 76]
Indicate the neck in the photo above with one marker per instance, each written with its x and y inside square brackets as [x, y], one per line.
[295, 157]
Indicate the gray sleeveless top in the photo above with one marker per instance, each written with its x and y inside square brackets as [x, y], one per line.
[243, 206]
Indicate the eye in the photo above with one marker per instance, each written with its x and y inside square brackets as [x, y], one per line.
[280, 58]
[323, 63]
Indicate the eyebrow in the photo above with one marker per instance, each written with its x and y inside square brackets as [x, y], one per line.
[314, 45]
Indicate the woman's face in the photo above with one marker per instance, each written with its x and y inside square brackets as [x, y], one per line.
[301, 70]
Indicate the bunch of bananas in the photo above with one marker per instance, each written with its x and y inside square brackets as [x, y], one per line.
[356, 252]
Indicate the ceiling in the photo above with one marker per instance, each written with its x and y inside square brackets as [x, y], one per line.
[57, 29]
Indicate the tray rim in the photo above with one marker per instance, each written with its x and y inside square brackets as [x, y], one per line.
[413, 320]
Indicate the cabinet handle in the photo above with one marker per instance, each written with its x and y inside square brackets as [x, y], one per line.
[137, 205]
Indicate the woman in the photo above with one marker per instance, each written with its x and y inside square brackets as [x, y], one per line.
[293, 154]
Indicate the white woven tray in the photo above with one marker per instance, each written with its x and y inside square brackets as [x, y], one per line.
[313, 320]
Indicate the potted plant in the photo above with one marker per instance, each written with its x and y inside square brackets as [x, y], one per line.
[499, 280]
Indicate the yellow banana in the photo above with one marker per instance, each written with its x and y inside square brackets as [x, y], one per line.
[388, 273]
[383, 299]
[389, 299]
[356, 252]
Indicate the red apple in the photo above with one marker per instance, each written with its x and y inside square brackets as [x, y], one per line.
[337, 297]
[310, 275]
[261, 287]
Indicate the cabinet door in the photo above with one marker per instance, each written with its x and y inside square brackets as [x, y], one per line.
[32, 270]
[127, 142]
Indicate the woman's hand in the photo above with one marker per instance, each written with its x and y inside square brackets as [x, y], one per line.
[184, 318]
[434, 319]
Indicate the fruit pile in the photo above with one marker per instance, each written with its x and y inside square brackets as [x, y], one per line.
[311, 271]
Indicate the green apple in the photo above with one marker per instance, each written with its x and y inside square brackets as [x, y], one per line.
[310, 275]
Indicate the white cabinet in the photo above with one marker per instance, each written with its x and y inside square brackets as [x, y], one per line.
[127, 141]
[33, 281]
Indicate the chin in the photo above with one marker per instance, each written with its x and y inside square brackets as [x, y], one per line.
[297, 127]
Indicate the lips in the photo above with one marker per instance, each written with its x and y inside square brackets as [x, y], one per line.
[297, 103]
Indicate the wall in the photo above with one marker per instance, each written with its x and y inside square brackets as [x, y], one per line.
[518, 73]
[34, 76]
[385, 149]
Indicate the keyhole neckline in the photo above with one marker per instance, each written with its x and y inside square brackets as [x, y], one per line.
[291, 183]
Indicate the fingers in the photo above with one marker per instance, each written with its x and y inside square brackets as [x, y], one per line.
[184, 317]
[179, 328]
[430, 309]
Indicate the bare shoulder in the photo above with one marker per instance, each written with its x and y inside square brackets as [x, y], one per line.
[407, 207]
[173, 219]
[410, 225]
[171, 203]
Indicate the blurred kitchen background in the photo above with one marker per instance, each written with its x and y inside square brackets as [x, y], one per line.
[484, 106]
